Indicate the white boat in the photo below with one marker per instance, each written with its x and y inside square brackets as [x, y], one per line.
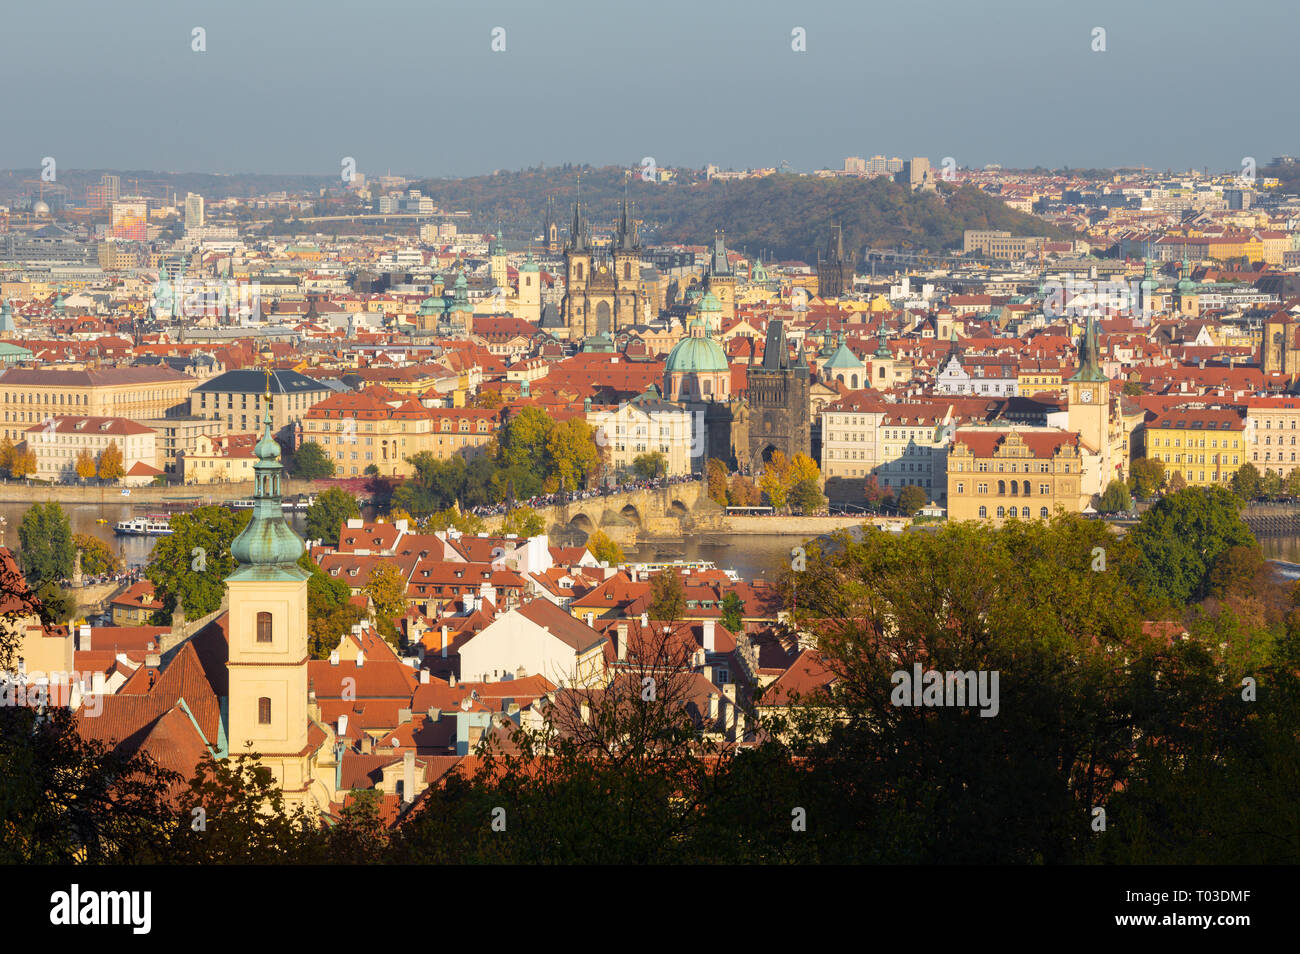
[151, 526]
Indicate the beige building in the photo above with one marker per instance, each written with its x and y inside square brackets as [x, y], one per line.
[997, 475]
[237, 398]
[30, 396]
[1270, 438]
[644, 425]
[227, 458]
[59, 442]
[179, 436]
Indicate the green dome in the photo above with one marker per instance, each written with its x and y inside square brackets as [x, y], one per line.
[710, 303]
[267, 548]
[433, 305]
[696, 356]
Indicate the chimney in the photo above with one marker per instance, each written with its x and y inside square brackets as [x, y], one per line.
[710, 644]
[343, 726]
[424, 676]
[334, 658]
[584, 711]
[444, 642]
[152, 660]
[408, 775]
[361, 658]
[451, 680]
[403, 716]
[83, 640]
[622, 642]
[713, 706]
[645, 619]
[434, 713]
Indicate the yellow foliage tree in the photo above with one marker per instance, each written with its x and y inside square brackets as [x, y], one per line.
[24, 464]
[85, 465]
[111, 464]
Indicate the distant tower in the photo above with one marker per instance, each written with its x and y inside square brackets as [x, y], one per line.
[551, 230]
[1089, 394]
[529, 298]
[500, 270]
[721, 279]
[830, 269]
[627, 268]
[577, 271]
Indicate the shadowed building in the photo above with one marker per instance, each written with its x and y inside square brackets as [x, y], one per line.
[780, 391]
[602, 293]
[834, 275]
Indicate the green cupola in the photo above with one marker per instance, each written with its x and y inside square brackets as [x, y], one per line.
[267, 549]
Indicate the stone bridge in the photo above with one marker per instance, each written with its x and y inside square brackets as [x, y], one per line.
[677, 510]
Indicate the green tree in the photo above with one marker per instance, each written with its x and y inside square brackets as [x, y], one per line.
[328, 513]
[453, 519]
[667, 596]
[1181, 538]
[45, 549]
[56, 604]
[1115, 499]
[604, 549]
[733, 612]
[1133, 388]
[1147, 476]
[1291, 486]
[523, 439]
[1270, 485]
[330, 610]
[111, 465]
[435, 485]
[911, 499]
[1176, 483]
[650, 465]
[387, 591]
[806, 496]
[188, 568]
[96, 557]
[1246, 482]
[312, 463]
[524, 522]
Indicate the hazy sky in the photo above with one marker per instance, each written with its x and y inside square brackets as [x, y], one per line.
[413, 86]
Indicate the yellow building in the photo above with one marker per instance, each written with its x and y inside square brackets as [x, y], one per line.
[1034, 377]
[1205, 445]
[997, 475]
[222, 459]
[30, 396]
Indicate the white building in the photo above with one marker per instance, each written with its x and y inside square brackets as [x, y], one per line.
[538, 638]
[59, 441]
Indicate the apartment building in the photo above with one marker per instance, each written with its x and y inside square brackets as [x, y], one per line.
[1270, 436]
[237, 398]
[644, 425]
[58, 443]
[1206, 445]
[29, 396]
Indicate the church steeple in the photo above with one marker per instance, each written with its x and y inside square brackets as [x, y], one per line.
[1089, 356]
[267, 548]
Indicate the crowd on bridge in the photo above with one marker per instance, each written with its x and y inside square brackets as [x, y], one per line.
[566, 497]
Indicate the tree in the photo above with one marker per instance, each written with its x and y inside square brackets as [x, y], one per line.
[1180, 539]
[524, 522]
[806, 496]
[716, 475]
[1176, 483]
[741, 492]
[453, 519]
[372, 470]
[1270, 485]
[604, 549]
[111, 464]
[327, 514]
[24, 464]
[1291, 485]
[523, 440]
[667, 596]
[733, 612]
[96, 557]
[8, 454]
[911, 499]
[387, 591]
[487, 399]
[571, 450]
[188, 567]
[1147, 476]
[56, 604]
[874, 494]
[1115, 498]
[802, 468]
[85, 465]
[1133, 388]
[650, 465]
[1246, 482]
[435, 485]
[45, 549]
[311, 462]
[330, 610]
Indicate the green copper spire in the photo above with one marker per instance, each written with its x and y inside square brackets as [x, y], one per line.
[267, 549]
[1089, 357]
[882, 345]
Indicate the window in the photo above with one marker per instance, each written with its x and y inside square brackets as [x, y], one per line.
[984, 512]
[1002, 489]
[264, 710]
[1042, 512]
[1012, 512]
[1002, 512]
[263, 627]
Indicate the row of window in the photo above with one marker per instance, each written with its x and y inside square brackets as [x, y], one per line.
[1192, 459]
[1044, 490]
[1191, 442]
[1013, 513]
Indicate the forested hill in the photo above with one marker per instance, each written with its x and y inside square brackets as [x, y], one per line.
[780, 216]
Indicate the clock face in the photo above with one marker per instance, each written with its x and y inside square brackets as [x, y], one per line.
[1086, 396]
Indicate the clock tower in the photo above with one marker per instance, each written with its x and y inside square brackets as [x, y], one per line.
[1089, 396]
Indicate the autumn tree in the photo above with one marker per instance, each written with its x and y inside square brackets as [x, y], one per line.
[571, 450]
[387, 591]
[111, 464]
[23, 465]
[189, 566]
[97, 559]
[604, 549]
[667, 596]
[716, 476]
[1147, 476]
[85, 464]
[911, 499]
[8, 454]
[524, 522]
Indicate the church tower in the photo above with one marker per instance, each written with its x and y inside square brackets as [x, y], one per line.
[500, 270]
[267, 633]
[627, 269]
[577, 274]
[551, 230]
[830, 270]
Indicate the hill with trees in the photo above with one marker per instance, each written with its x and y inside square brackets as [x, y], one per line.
[778, 217]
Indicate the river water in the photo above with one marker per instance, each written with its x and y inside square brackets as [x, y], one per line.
[751, 555]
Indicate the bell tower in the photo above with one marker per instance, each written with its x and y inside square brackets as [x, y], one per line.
[1089, 394]
[577, 262]
[267, 633]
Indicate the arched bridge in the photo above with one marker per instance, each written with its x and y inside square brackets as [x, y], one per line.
[676, 510]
